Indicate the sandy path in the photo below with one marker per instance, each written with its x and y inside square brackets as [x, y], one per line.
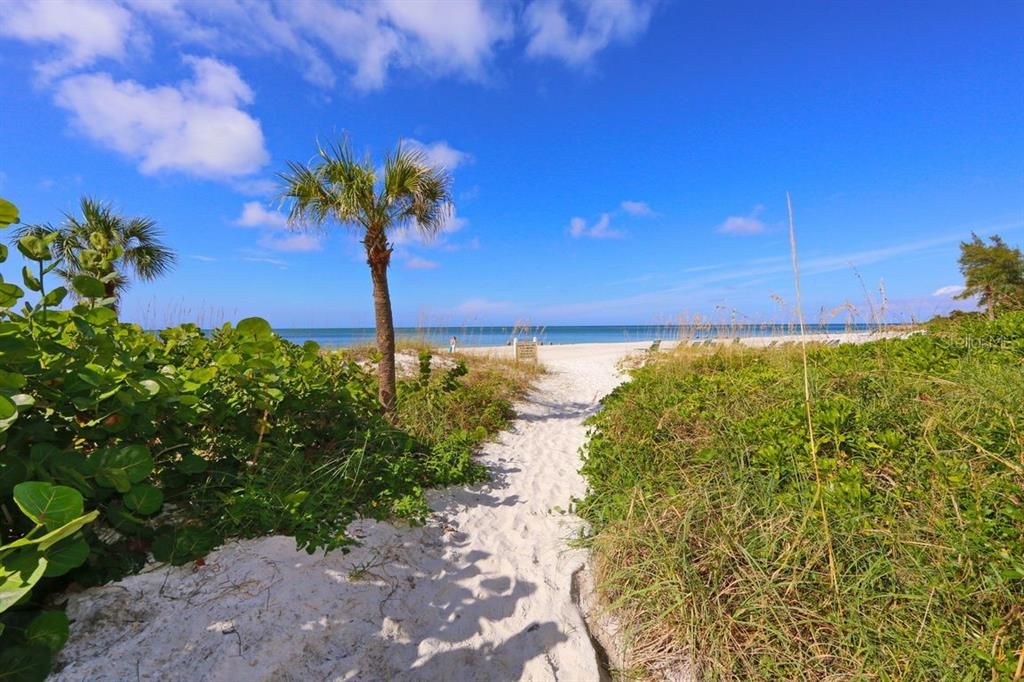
[480, 593]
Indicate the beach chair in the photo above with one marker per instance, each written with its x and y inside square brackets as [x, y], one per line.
[655, 347]
[772, 344]
[525, 351]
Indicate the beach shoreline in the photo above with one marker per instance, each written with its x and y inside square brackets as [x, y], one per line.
[669, 344]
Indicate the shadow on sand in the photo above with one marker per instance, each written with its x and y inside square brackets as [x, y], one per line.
[449, 602]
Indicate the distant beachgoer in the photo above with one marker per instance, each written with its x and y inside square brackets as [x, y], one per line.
[452, 342]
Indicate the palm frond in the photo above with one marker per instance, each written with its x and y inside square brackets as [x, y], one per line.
[38, 230]
[144, 253]
[150, 260]
[417, 192]
[333, 187]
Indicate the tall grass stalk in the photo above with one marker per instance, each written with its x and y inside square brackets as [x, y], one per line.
[807, 404]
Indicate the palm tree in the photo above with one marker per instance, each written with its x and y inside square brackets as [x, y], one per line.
[143, 254]
[406, 192]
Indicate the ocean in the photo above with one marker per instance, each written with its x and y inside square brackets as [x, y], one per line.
[336, 337]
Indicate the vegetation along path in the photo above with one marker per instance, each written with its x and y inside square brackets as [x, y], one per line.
[483, 591]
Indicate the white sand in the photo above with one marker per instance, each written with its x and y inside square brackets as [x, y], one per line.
[483, 592]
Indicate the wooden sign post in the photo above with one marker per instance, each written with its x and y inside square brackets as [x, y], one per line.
[526, 350]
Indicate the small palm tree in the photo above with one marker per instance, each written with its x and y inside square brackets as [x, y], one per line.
[406, 192]
[144, 255]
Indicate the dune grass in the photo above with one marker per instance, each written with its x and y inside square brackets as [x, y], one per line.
[709, 541]
[479, 402]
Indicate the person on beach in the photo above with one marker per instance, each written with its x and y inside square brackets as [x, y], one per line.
[451, 344]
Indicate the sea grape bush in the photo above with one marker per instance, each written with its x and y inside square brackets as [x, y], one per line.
[117, 444]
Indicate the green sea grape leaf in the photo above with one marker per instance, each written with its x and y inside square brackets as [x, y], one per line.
[51, 506]
[88, 286]
[151, 387]
[192, 463]
[12, 472]
[8, 213]
[10, 294]
[227, 358]
[25, 663]
[31, 281]
[144, 498]
[19, 572]
[55, 536]
[91, 259]
[7, 407]
[49, 629]
[255, 327]
[100, 316]
[202, 375]
[55, 297]
[65, 556]
[22, 401]
[34, 247]
[119, 468]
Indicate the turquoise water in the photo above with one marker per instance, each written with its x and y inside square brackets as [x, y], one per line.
[500, 336]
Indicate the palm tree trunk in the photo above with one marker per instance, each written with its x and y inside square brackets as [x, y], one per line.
[111, 292]
[378, 260]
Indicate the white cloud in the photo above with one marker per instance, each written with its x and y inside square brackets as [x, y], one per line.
[748, 224]
[948, 291]
[204, 259]
[468, 245]
[409, 234]
[598, 23]
[353, 35]
[451, 36]
[254, 214]
[741, 225]
[483, 306]
[365, 41]
[637, 208]
[417, 263]
[254, 186]
[294, 242]
[195, 127]
[277, 262]
[81, 32]
[215, 83]
[440, 153]
[273, 226]
[600, 230]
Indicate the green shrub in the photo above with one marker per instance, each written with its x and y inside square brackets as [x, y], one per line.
[708, 535]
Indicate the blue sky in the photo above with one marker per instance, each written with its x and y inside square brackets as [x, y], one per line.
[614, 162]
